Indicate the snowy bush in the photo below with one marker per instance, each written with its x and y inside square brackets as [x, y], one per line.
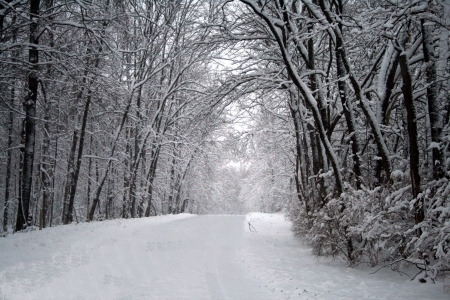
[434, 244]
[378, 227]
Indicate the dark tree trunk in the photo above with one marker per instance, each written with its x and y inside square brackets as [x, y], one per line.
[298, 183]
[413, 144]
[68, 216]
[317, 164]
[88, 191]
[69, 181]
[109, 213]
[172, 188]
[46, 163]
[12, 97]
[385, 102]
[319, 160]
[8, 160]
[149, 197]
[46, 169]
[347, 105]
[98, 191]
[30, 119]
[184, 206]
[151, 177]
[348, 113]
[137, 155]
[434, 107]
[126, 178]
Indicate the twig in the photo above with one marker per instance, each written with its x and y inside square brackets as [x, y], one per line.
[250, 226]
[390, 264]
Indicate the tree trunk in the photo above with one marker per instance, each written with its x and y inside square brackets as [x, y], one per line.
[151, 177]
[348, 113]
[434, 107]
[69, 181]
[30, 119]
[413, 144]
[8, 160]
[444, 54]
[318, 158]
[67, 218]
[387, 84]
[126, 177]
[172, 183]
[88, 191]
[298, 183]
[46, 170]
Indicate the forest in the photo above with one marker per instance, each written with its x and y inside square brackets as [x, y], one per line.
[336, 112]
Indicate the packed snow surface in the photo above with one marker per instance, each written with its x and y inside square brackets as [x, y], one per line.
[187, 257]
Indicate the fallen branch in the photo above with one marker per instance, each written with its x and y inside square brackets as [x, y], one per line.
[250, 226]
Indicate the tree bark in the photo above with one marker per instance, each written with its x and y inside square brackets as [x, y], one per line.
[151, 177]
[29, 105]
[318, 158]
[67, 217]
[8, 160]
[126, 177]
[69, 179]
[348, 113]
[298, 182]
[413, 144]
[137, 157]
[388, 86]
[46, 169]
[434, 107]
[88, 191]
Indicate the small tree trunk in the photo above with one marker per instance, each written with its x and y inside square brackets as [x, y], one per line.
[137, 155]
[149, 197]
[172, 184]
[126, 177]
[88, 191]
[66, 217]
[46, 170]
[76, 172]
[151, 177]
[8, 160]
[298, 148]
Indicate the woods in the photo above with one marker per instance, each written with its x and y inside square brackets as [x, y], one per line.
[336, 112]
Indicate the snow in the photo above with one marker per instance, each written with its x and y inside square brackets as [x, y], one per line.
[397, 175]
[186, 257]
[434, 145]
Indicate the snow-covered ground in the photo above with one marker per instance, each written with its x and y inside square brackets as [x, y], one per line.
[186, 257]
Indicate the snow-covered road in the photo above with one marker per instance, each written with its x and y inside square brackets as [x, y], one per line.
[185, 257]
[188, 257]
